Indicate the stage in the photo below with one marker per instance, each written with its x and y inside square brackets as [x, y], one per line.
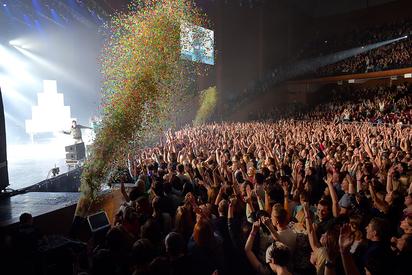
[36, 203]
[31, 163]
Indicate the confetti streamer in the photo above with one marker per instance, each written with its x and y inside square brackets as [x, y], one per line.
[144, 81]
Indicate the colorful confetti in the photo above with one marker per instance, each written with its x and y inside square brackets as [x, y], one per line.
[144, 82]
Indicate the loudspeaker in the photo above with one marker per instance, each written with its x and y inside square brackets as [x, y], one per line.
[75, 152]
[4, 175]
[73, 156]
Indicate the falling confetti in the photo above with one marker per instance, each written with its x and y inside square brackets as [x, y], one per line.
[145, 78]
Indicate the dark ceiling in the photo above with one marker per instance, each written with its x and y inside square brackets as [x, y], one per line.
[320, 8]
[313, 8]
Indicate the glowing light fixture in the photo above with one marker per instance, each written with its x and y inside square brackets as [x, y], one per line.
[50, 115]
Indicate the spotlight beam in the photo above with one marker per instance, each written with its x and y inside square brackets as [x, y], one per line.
[39, 12]
[311, 65]
[57, 71]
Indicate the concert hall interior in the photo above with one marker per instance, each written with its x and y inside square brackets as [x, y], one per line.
[173, 137]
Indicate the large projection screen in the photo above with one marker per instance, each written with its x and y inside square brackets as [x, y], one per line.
[197, 43]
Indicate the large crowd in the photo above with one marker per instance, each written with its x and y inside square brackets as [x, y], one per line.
[368, 56]
[391, 56]
[320, 190]
[321, 45]
[261, 198]
[377, 105]
[324, 190]
[285, 197]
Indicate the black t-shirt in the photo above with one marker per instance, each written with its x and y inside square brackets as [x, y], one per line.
[323, 226]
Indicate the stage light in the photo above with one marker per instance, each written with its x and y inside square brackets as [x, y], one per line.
[409, 75]
[50, 114]
[14, 67]
[14, 43]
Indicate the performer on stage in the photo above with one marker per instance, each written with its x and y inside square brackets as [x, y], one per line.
[76, 131]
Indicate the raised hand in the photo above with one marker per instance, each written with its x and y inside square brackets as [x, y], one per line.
[346, 238]
[266, 221]
[256, 226]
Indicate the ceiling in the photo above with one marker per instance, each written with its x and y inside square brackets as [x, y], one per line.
[320, 8]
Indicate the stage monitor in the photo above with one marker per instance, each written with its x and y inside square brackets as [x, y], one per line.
[197, 43]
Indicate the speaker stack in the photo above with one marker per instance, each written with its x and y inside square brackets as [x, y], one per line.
[75, 153]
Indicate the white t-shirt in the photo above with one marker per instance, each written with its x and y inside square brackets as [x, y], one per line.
[288, 238]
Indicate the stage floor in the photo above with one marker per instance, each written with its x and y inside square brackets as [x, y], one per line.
[29, 164]
[35, 203]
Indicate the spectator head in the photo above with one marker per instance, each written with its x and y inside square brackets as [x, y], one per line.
[223, 207]
[277, 254]
[203, 233]
[239, 176]
[142, 252]
[116, 242]
[140, 186]
[377, 230]
[143, 206]
[184, 221]
[406, 225]
[355, 222]
[206, 210]
[171, 167]
[130, 220]
[259, 178]
[175, 244]
[251, 171]
[303, 197]
[323, 210]
[279, 215]
[265, 172]
[26, 219]
[180, 168]
[173, 157]
[331, 237]
[156, 205]
[135, 194]
[408, 200]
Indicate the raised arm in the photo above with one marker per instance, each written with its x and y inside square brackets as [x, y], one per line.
[334, 196]
[253, 260]
[346, 239]
[313, 240]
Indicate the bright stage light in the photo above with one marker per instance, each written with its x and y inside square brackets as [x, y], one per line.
[9, 90]
[56, 70]
[16, 69]
[14, 42]
[50, 115]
